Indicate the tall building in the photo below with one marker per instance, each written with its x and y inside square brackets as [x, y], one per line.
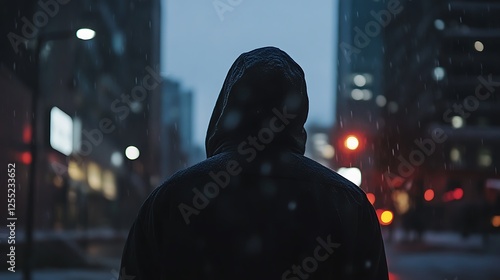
[177, 148]
[441, 72]
[416, 89]
[360, 97]
[92, 102]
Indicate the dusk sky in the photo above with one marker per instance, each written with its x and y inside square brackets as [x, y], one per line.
[199, 44]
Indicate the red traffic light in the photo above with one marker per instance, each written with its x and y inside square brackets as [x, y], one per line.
[351, 142]
[25, 158]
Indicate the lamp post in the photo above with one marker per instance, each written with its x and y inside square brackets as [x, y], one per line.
[82, 34]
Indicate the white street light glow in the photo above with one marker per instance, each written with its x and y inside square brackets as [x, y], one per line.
[85, 33]
[132, 152]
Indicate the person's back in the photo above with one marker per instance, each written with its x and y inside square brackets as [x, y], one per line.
[257, 208]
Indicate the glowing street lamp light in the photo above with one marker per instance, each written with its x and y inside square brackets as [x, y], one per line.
[85, 34]
[132, 152]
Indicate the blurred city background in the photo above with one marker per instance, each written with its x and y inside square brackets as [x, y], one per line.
[102, 100]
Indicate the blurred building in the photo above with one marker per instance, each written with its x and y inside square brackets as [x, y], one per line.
[360, 97]
[93, 101]
[318, 146]
[416, 88]
[448, 50]
[177, 150]
[442, 71]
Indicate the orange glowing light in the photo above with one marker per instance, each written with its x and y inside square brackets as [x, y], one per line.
[371, 197]
[429, 195]
[351, 143]
[495, 221]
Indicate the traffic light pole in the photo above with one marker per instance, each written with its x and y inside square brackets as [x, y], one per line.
[30, 211]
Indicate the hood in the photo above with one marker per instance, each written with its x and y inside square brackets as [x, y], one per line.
[264, 90]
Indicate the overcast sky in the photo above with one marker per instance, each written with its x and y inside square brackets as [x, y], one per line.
[199, 45]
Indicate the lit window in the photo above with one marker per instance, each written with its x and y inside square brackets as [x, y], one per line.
[359, 80]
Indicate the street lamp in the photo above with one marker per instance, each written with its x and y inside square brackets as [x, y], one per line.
[85, 34]
[132, 152]
[40, 40]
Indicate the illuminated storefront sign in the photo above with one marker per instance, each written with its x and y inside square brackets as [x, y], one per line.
[61, 131]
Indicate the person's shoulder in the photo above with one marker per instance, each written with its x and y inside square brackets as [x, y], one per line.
[193, 173]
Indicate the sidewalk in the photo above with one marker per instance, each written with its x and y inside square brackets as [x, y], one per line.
[98, 259]
[64, 275]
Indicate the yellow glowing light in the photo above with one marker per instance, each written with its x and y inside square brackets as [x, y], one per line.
[401, 201]
[386, 217]
[75, 172]
[109, 185]
[94, 176]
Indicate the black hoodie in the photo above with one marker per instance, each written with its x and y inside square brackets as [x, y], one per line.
[256, 208]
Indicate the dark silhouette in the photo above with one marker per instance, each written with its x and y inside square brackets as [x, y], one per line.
[256, 208]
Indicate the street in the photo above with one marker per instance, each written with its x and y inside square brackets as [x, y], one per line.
[443, 256]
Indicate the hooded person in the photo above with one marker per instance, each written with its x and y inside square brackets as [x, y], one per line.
[256, 208]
